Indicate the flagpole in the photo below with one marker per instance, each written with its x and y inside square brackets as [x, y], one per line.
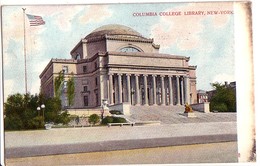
[24, 40]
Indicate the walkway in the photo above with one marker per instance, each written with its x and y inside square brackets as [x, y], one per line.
[91, 139]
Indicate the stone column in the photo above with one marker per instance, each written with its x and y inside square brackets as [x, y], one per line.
[120, 88]
[154, 89]
[85, 49]
[187, 89]
[128, 82]
[145, 90]
[111, 88]
[163, 90]
[137, 91]
[182, 91]
[178, 89]
[170, 90]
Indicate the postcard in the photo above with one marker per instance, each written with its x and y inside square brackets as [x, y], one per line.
[127, 83]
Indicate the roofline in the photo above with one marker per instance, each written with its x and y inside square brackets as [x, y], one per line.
[56, 61]
[75, 47]
[153, 55]
[115, 37]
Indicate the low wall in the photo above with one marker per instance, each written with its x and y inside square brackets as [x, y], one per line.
[202, 107]
[84, 112]
[123, 107]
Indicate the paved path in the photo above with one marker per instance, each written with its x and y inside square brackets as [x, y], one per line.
[225, 152]
[90, 139]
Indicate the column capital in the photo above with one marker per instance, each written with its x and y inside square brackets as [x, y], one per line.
[170, 76]
[177, 76]
[128, 74]
[145, 75]
[162, 76]
[119, 74]
[154, 75]
[111, 74]
[137, 75]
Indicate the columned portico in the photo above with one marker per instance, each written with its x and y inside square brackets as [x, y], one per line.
[124, 88]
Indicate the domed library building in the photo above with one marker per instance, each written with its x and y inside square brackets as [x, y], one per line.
[117, 64]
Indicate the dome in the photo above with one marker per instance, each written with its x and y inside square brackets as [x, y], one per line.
[113, 29]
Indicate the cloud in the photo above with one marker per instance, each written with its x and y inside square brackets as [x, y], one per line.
[221, 78]
[8, 88]
[95, 13]
[13, 35]
[65, 16]
[185, 31]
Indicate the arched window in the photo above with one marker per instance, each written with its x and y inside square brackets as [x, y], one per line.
[77, 56]
[129, 49]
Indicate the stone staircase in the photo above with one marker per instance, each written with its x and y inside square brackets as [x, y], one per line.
[164, 114]
[174, 115]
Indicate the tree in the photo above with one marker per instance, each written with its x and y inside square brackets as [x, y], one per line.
[71, 90]
[58, 81]
[224, 98]
[58, 84]
[21, 112]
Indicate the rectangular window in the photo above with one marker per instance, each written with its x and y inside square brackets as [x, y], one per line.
[97, 99]
[65, 69]
[85, 88]
[96, 81]
[84, 69]
[85, 100]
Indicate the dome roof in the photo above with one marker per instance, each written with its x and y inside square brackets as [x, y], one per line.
[113, 29]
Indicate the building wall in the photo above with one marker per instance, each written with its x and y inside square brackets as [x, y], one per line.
[137, 59]
[193, 83]
[115, 45]
[95, 47]
[92, 90]
[58, 66]
[78, 50]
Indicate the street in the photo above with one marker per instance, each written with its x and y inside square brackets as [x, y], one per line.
[225, 152]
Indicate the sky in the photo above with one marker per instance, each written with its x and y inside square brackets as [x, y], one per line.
[207, 39]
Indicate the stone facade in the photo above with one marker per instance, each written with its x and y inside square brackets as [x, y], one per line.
[116, 63]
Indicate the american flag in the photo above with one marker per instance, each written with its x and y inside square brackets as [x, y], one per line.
[35, 20]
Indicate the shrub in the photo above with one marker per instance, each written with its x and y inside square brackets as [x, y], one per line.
[93, 119]
[107, 120]
[116, 112]
[220, 107]
[63, 118]
[111, 119]
[119, 120]
[13, 123]
[36, 123]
